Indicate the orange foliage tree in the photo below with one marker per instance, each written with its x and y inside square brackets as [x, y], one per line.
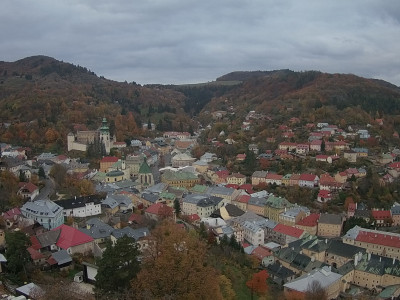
[258, 283]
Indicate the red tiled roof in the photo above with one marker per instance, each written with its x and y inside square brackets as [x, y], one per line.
[157, 208]
[378, 239]
[62, 157]
[381, 214]
[288, 230]
[135, 218]
[274, 176]
[222, 174]
[194, 217]
[244, 198]
[233, 186]
[11, 213]
[395, 165]
[309, 221]
[51, 261]
[69, 237]
[324, 194]
[34, 253]
[307, 177]
[112, 159]
[35, 244]
[28, 185]
[260, 252]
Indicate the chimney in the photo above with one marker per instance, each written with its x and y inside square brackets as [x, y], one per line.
[380, 258]
[356, 259]
[326, 241]
[369, 256]
[75, 197]
[394, 260]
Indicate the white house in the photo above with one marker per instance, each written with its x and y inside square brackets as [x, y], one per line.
[84, 206]
[253, 233]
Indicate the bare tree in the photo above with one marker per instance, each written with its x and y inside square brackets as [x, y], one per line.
[315, 291]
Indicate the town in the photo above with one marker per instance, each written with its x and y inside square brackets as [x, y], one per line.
[293, 205]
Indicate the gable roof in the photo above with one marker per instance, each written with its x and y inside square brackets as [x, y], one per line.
[309, 221]
[288, 230]
[70, 237]
[158, 208]
[330, 219]
[109, 159]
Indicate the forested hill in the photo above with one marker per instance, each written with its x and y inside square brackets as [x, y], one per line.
[42, 99]
[305, 92]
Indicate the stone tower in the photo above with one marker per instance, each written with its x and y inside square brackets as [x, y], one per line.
[105, 135]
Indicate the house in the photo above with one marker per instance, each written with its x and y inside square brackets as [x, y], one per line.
[302, 148]
[329, 225]
[361, 152]
[182, 160]
[227, 212]
[241, 157]
[201, 204]
[257, 205]
[28, 190]
[241, 202]
[280, 274]
[98, 230]
[308, 180]
[253, 233]
[84, 206]
[325, 277]
[258, 177]
[106, 162]
[324, 196]
[288, 146]
[236, 178]
[159, 211]
[309, 224]
[60, 260]
[45, 212]
[294, 180]
[73, 240]
[180, 179]
[29, 291]
[273, 179]
[395, 212]
[284, 234]
[227, 194]
[274, 206]
[338, 253]
[315, 145]
[292, 215]
[382, 217]
[263, 255]
[254, 148]
[350, 156]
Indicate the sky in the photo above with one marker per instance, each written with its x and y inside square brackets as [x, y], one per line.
[187, 41]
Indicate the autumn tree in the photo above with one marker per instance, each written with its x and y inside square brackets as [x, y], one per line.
[258, 283]
[174, 267]
[117, 267]
[59, 173]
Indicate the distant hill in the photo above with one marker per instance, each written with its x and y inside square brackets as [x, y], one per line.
[42, 99]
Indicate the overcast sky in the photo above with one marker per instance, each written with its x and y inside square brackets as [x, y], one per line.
[188, 41]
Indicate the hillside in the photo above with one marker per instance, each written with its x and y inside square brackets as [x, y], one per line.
[42, 99]
[40, 95]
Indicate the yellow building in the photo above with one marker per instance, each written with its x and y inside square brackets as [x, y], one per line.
[274, 206]
[330, 225]
[180, 179]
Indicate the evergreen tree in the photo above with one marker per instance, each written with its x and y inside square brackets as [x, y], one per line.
[149, 125]
[17, 254]
[41, 173]
[177, 207]
[117, 267]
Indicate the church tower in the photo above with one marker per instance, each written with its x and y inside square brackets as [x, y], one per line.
[145, 175]
[105, 135]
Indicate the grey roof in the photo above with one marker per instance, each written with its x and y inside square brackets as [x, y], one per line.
[352, 233]
[2, 258]
[156, 189]
[209, 201]
[257, 201]
[337, 247]
[62, 257]
[232, 210]
[330, 219]
[44, 208]
[395, 209]
[220, 190]
[324, 276]
[150, 197]
[379, 265]
[276, 269]
[194, 198]
[110, 202]
[253, 227]
[130, 232]
[27, 289]
[97, 229]
[122, 199]
[260, 174]
[48, 238]
[247, 216]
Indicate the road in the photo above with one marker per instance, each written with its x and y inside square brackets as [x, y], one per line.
[47, 190]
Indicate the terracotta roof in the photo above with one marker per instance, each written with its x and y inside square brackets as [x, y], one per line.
[274, 176]
[35, 244]
[194, 217]
[288, 230]
[307, 177]
[395, 165]
[381, 214]
[244, 198]
[260, 252]
[69, 237]
[378, 239]
[324, 194]
[157, 209]
[222, 174]
[309, 221]
[28, 185]
[233, 186]
[11, 213]
[237, 175]
[112, 159]
[135, 218]
[34, 253]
